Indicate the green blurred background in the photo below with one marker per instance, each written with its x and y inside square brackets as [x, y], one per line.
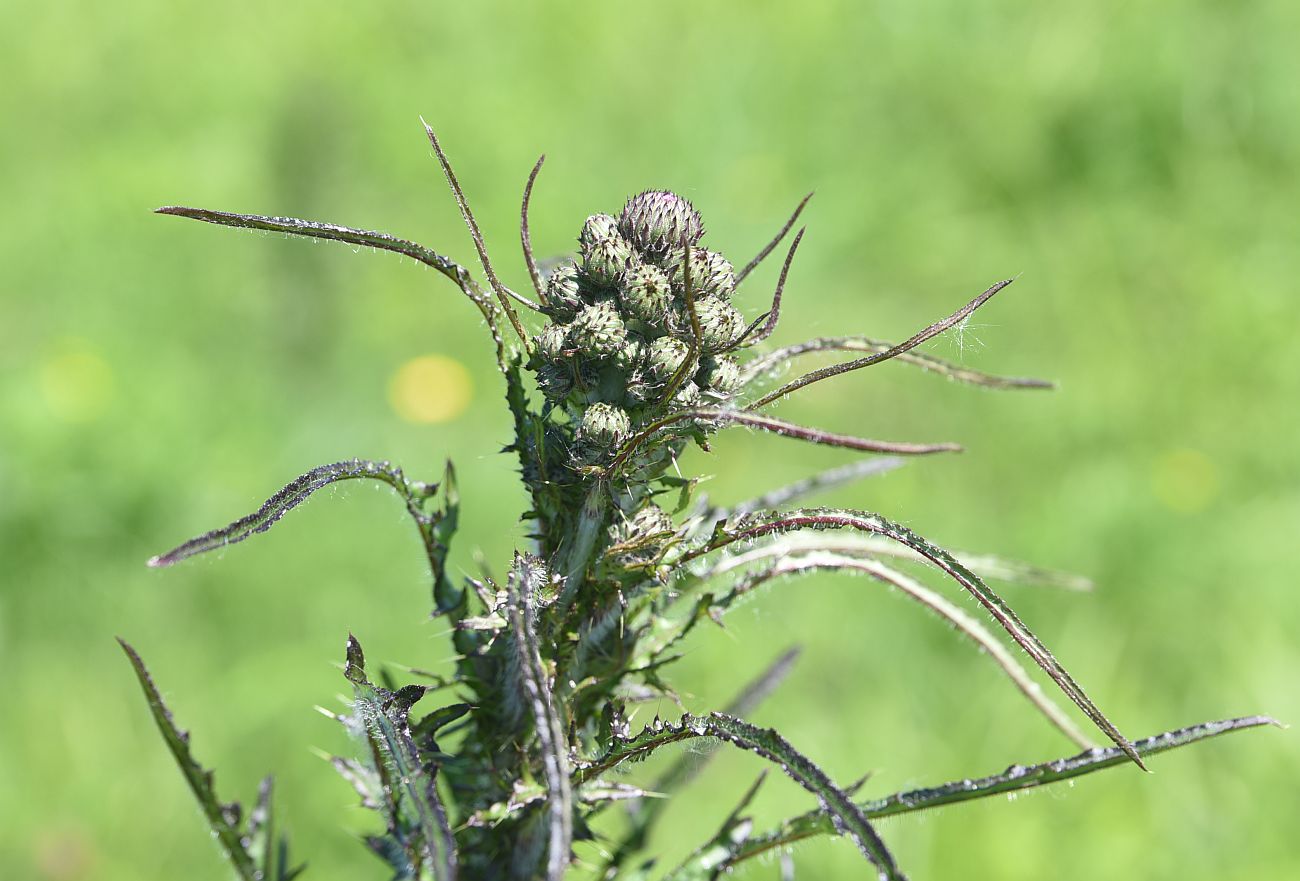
[1135, 165]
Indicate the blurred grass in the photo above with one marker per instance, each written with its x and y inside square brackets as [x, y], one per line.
[1135, 164]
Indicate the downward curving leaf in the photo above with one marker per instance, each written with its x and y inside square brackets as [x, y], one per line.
[1013, 779]
[864, 521]
[293, 494]
[685, 769]
[814, 560]
[984, 565]
[846, 817]
[333, 232]
[436, 528]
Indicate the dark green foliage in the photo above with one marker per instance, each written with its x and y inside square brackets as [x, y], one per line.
[637, 352]
[252, 848]
[419, 840]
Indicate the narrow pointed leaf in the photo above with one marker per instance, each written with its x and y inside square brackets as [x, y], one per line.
[1014, 779]
[221, 819]
[775, 426]
[921, 336]
[821, 482]
[756, 367]
[435, 529]
[410, 784]
[685, 769]
[863, 521]
[776, 240]
[526, 581]
[848, 819]
[290, 496]
[333, 232]
[816, 561]
[984, 565]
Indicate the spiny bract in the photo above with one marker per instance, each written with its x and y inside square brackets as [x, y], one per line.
[638, 353]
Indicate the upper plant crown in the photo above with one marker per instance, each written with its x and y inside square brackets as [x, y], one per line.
[640, 351]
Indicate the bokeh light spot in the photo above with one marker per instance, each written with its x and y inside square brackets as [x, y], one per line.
[430, 389]
[76, 383]
[1185, 481]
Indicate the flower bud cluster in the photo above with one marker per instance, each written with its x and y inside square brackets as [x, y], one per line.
[623, 347]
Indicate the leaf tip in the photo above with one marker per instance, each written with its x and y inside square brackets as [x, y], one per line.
[355, 668]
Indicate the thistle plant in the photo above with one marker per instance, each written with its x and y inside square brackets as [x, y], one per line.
[617, 361]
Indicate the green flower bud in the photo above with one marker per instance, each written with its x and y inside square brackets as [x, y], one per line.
[563, 293]
[555, 381]
[719, 375]
[721, 324]
[655, 221]
[639, 392]
[632, 357]
[598, 226]
[598, 331]
[606, 260]
[687, 396]
[647, 295]
[666, 357]
[650, 520]
[551, 341]
[711, 273]
[603, 427]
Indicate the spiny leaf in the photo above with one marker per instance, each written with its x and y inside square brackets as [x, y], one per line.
[333, 232]
[984, 565]
[863, 521]
[435, 529]
[251, 855]
[825, 480]
[439, 718]
[458, 274]
[577, 552]
[775, 426]
[290, 496]
[684, 770]
[527, 577]
[957, 372]
[814, 560]
[1013, 779]
[524, 796]
[410, 788]
[847, 817]
[835, 370]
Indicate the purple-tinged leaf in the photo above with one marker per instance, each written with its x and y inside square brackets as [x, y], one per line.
[835, 370]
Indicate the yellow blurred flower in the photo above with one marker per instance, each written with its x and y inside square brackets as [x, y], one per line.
[76, 383]
[430, 389]
[1185, 481]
